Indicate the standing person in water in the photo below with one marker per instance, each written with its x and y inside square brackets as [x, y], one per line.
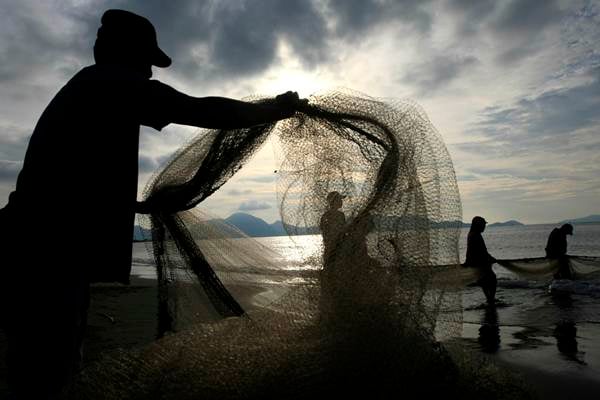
[81, 166]
[332, 224]
[556, 249]
[478, 257]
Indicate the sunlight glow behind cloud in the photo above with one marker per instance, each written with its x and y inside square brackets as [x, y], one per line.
[513, 86]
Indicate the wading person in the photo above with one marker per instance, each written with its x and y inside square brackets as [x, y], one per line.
[78, 187]
[478, 257]
[556, 249]
[332, 225]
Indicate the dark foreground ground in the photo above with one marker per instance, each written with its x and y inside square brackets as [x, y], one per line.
[124, 317]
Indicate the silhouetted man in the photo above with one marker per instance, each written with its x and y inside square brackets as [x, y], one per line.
[78, 188]
[556, 249]
[478, 257]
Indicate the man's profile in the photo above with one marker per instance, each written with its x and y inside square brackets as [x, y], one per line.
[82, 158]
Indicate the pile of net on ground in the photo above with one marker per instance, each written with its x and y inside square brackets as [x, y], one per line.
[240, 322]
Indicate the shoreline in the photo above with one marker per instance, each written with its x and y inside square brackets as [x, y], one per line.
[125, 317]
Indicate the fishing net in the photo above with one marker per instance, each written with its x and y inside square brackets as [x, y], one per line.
[356, 311]
[544, 268]
[535, 268]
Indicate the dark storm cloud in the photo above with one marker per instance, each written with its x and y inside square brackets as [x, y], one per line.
[240, 38]
[147, 164]
[516, 28]
[353, 17]
[9, 170]
[13, 142]
[30, 41]
[521, 25]
[254, 205]
[435, 73]
[554, 113]
[234, 38]
[526, 17]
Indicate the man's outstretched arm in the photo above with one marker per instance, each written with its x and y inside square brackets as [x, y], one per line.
[225, 113]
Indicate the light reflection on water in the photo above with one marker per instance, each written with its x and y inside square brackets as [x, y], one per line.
[302, 253]
[527, 306]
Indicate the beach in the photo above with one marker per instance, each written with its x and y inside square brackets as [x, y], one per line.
[124, 317]
[548, 342]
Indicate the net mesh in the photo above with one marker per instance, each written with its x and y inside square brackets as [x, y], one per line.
[544, 268]
[358, 307]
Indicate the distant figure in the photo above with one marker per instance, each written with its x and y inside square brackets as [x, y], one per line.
[332, 224]
[556, 249]
[478, 257]
[371, 285]
[70, 220]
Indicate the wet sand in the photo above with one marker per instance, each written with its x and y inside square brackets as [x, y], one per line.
[554, 367]
[123, 317]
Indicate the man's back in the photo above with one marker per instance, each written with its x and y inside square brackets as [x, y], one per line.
[477, 254]
[557, 244]
[80, 172]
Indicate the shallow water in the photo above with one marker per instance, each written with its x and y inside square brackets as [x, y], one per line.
[531, 326]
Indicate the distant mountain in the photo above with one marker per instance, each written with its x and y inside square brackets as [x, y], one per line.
[512, 222]
[251, 225]
[140, 234]
[256, 227]
[584, 220]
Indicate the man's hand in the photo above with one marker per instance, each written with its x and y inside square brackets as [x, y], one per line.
[289, 102]
[142, 207]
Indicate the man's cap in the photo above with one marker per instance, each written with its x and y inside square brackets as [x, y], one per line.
[478, 220]
[331, 196]
[128, 29]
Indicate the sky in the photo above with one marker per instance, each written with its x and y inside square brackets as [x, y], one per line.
[513, 86]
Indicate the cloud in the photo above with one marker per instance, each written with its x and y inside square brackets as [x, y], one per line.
[54, 36]
[147, 164]
[260, 178]
[356, 17]
[441, 69]
[254, 205]
[9, 170]
[511, 84]
[13, 142]
[525, 17]
[558, 112]
[237, 192]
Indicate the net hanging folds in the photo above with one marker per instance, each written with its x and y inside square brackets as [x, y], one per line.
[374, 180]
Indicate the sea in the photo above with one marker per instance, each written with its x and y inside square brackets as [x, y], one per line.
[552, 332]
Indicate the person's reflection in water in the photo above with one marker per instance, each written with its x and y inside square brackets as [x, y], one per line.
[565, 333]
[489, 332]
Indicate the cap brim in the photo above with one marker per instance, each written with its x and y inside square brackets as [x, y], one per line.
[160, 59]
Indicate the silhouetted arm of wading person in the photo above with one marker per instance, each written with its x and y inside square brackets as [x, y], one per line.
[78, 185]
[478, 257]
